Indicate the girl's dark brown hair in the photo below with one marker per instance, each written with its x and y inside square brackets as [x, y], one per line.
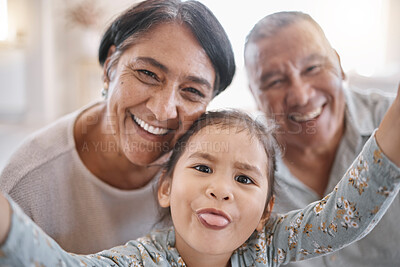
[262, 130]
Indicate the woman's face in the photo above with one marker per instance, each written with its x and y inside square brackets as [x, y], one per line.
[159, 86]
[218, 191]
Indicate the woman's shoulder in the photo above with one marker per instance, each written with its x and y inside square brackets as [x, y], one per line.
[40, 149]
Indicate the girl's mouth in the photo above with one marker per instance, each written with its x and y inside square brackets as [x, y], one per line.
[214, 219]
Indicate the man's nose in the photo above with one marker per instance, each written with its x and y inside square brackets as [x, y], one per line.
[299, 92]
[164, 103]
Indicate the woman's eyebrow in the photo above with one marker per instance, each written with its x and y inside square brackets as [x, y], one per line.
[152, 62]
[199, 80]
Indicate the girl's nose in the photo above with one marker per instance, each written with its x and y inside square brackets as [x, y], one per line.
[219, 193]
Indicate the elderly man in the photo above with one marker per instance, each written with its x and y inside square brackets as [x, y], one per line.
[297, 79]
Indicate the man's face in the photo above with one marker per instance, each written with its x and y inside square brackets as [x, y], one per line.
[296, 79]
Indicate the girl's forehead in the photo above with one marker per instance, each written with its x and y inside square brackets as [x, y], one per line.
[223, 138]
[217, 131]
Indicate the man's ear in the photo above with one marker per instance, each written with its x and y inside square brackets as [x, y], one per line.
[255, 97]
[164, 191]
[340, 65]
[266, 215]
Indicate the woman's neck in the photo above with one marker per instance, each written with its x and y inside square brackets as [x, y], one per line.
[100, 153]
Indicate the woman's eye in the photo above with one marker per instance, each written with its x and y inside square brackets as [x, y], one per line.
[203, 168]
[149, 74]
[194, 91]
[244, 179]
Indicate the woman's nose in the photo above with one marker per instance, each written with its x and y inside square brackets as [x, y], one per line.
[163, 104]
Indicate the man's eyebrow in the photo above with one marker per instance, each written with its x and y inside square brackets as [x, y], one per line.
[247, 167]
[314, 57]
[153, 62]
[268, 75]
[203, 155]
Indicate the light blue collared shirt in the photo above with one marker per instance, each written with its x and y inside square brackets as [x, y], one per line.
[364, 112]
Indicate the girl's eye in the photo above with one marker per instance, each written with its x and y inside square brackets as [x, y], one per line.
[203, 168]
[243, 179]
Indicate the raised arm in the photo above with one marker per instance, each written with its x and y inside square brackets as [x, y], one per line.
[349, 212]
[25, 244]
[5, 218]
[388, 134]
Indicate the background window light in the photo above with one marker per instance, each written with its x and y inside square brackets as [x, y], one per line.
[3, 20]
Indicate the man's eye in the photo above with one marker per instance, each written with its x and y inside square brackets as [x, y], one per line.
[313, 69]
[203, 168]
[244, 179]
[275, 83]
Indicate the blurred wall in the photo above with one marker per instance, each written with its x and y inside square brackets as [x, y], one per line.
[49, 66]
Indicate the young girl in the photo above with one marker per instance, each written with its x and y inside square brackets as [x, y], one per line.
[218, 186]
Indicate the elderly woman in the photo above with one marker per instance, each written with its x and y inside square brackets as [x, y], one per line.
[88, 179]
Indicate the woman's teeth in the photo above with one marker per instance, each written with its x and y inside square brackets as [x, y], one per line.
[149, 128]
[306, 117]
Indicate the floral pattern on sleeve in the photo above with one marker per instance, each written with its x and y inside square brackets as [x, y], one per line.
[347, 214]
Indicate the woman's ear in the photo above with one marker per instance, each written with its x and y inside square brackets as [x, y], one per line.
[111, 51]
[164, 191]
[266, 215]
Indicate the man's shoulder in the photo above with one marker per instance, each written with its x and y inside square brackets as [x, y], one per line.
[368, 97]
[366, 108]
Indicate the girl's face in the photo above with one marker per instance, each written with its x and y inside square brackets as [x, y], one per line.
[159, 86]
[218, 191]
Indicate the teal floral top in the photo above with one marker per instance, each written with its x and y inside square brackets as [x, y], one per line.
[342, 217]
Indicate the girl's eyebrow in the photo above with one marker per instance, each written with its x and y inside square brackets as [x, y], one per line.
[247, 167]
[203, 155]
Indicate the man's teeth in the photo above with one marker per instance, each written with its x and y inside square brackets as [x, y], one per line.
[306, 117]
[149, 128]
